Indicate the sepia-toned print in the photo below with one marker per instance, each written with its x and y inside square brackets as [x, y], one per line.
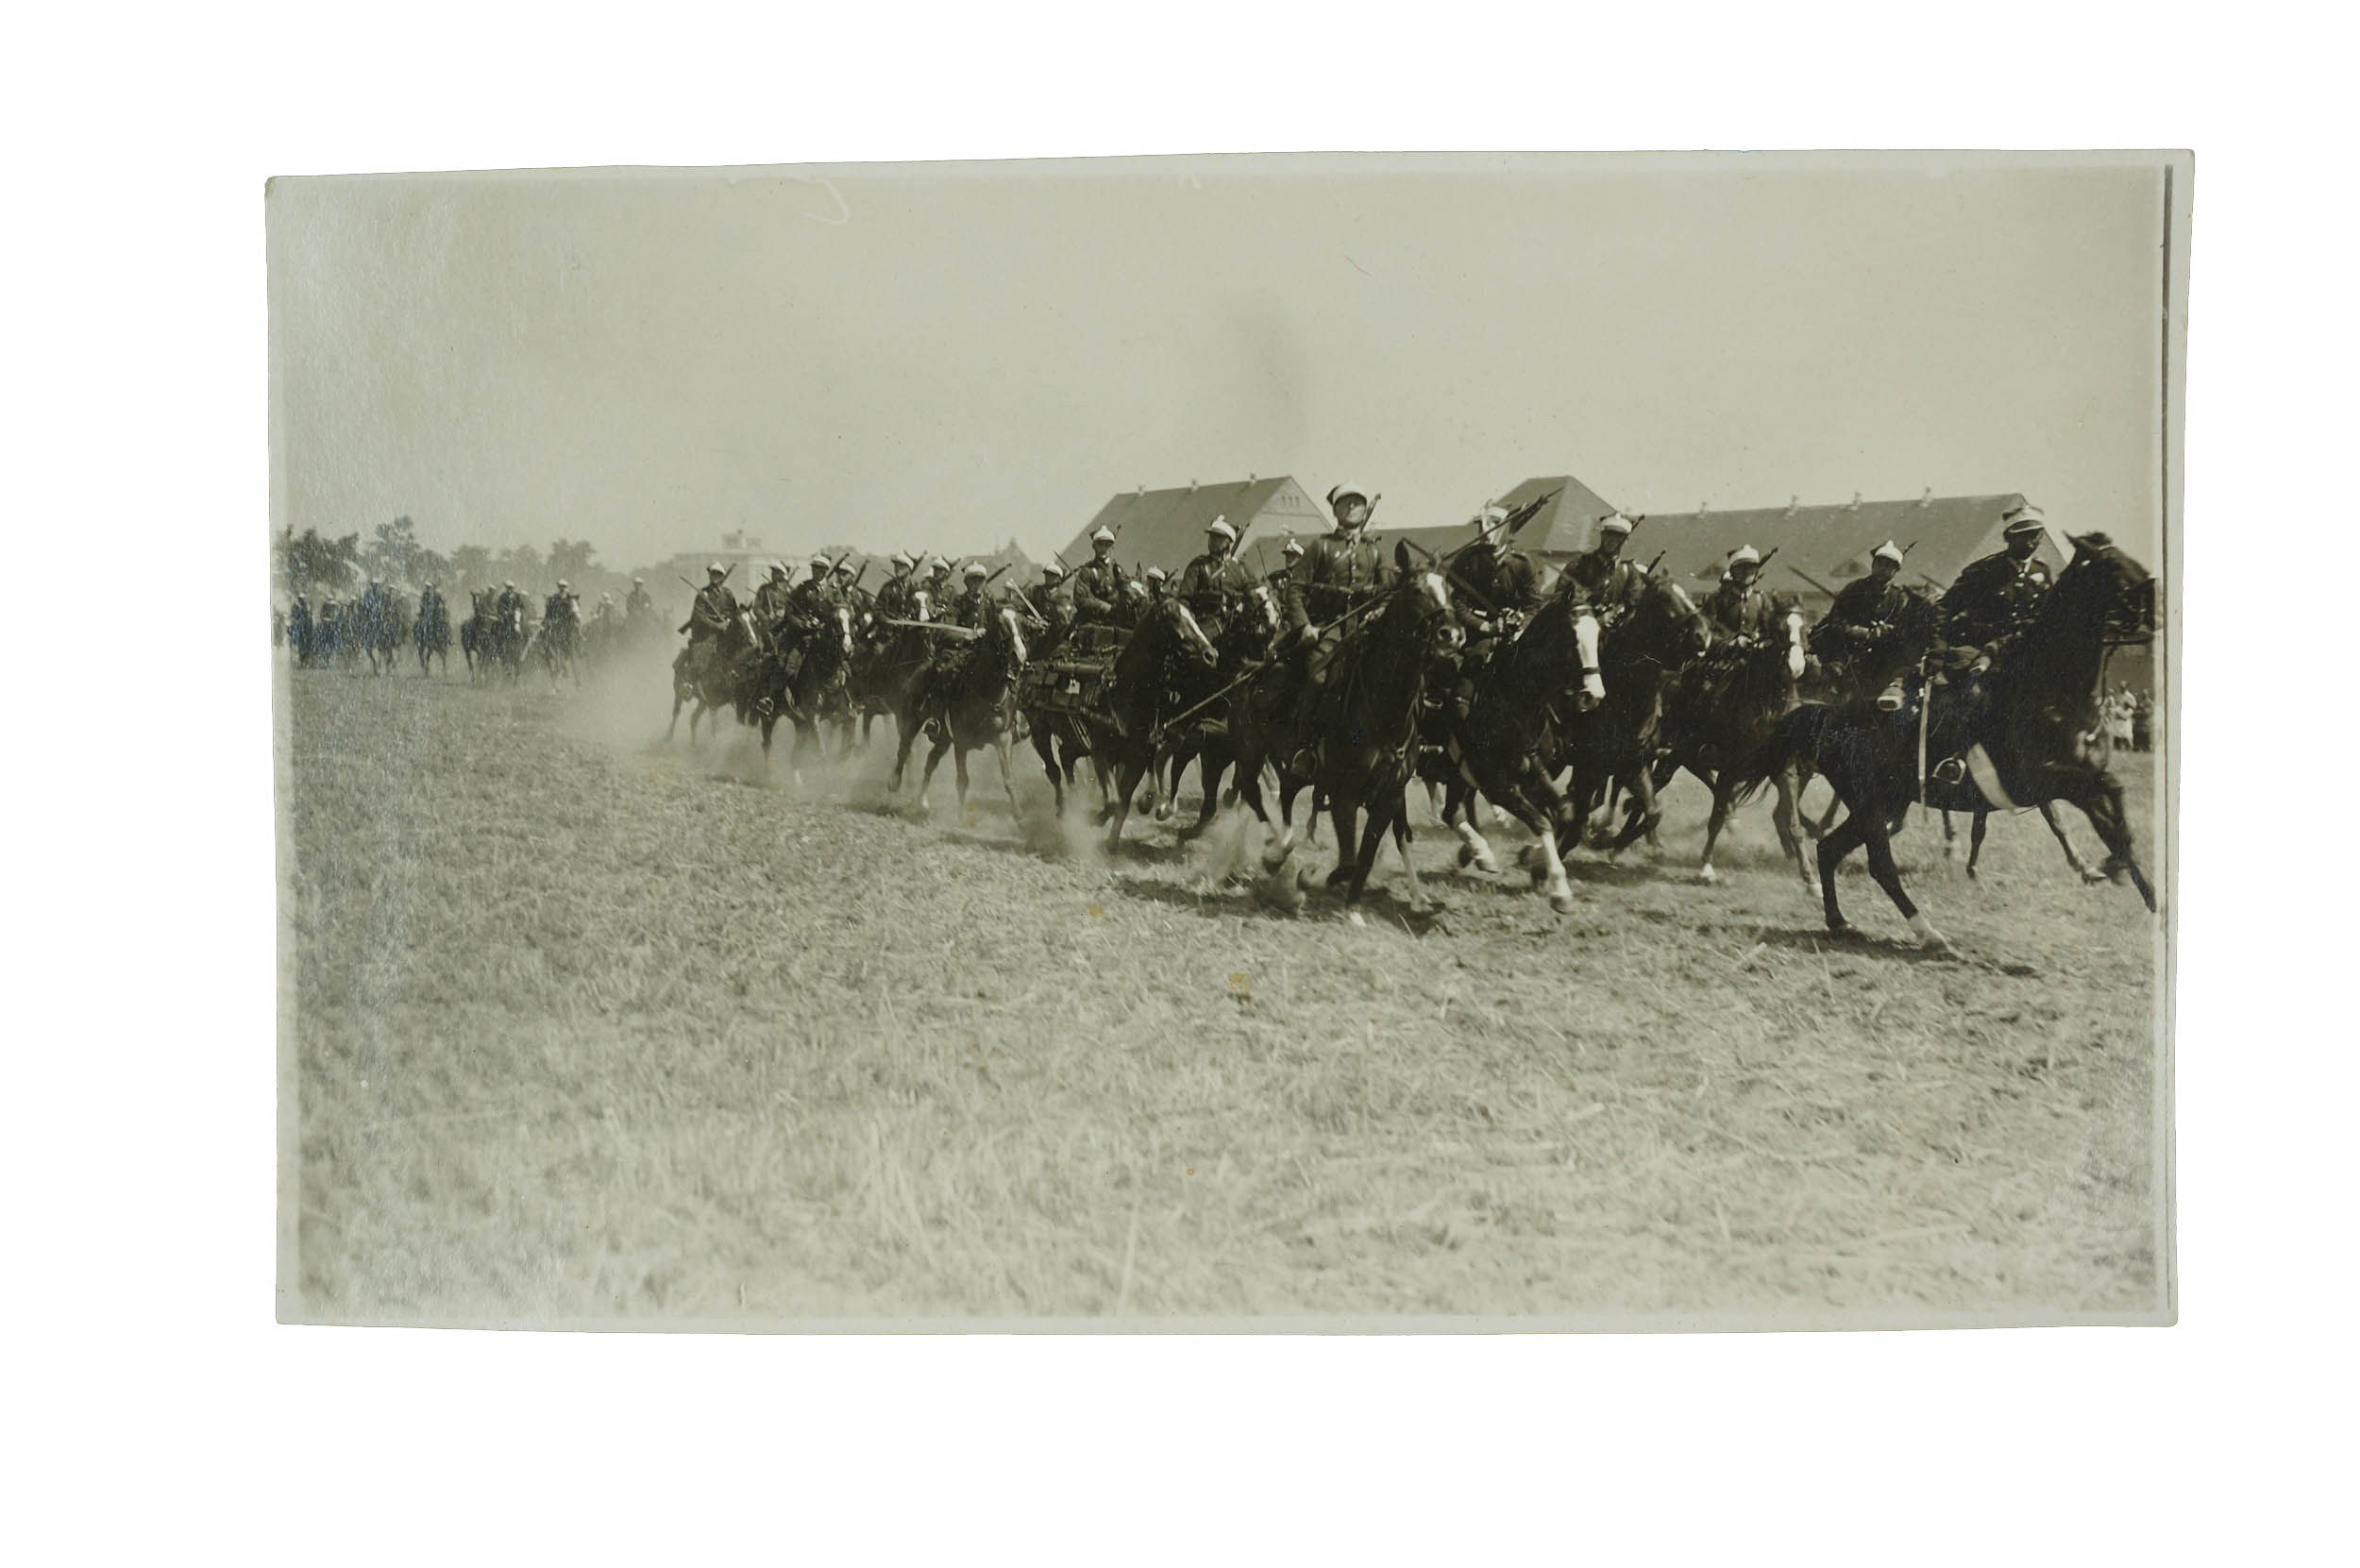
[1376, 743]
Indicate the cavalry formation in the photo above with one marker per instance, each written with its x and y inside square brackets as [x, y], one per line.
[499, 639]
[1352, 673]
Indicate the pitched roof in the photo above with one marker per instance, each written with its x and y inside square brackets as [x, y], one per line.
[1166, 527]
[1567, 521]
[1831, 543]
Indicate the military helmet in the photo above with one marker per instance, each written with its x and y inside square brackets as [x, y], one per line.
[1220, 528]
[1614, 522]
[1294, 548]
[2024, 519]
[975, 569]
[1746, 556]
[1102, 535]
[1887, 551]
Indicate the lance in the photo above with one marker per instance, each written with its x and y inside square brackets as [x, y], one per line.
[1812, 580]
[941, 628]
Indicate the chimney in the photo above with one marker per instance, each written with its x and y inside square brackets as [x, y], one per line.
[1855, 500]
[1927, 500]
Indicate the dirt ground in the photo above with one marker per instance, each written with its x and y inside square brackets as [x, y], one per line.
[587, 1028]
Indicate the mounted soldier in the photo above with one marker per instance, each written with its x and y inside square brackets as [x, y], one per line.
[1278, 580]
[511, 601]
[710, 616]
[1501, 589]
[1216, 582]
[1157, 582]
[637, 604]
[1601, 577]
[1098, 581]
[299, 630]
[1995, 595]
[1862, 618]
[771, 598]
[1054, 599]
[1738, 611]
[809, 599]
[432, 612]
[1337, 575]
[845, 588]
[938, 585]
[563, 607]
[973, 607]
[896, 594]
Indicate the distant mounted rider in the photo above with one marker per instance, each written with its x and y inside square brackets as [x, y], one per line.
[1738, 611]
[771, 600]
[1278, 580]
[1054, 599]
[1098, 582]
[844, 588]
[432, 612]
[562, 608]
[938, 586]
[1215, 584]
[637, 604]
[709, 618]
[510, 603]
[299, 629]
[1601, 577]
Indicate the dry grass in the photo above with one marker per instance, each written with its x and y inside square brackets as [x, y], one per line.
[589, 1029]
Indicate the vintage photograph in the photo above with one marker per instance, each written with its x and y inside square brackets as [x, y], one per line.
[1287, 743]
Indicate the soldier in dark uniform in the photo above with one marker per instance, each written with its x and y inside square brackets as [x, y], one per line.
[1278, 580]
[939, 589]
[637, 604]
[893, 594]
[1738, 611]
[560, 618]
[709, 618]
[299, 630]
[1098, 582]
[1053, 600]
[1602, 579]
[1994, 594]
[771, 598]
[973, 607]
[1215, 583]
[431, 611]
[1862, 617]
[1499, 588]
[847, 592]
[1337, 574]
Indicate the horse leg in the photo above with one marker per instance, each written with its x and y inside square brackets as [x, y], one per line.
[1008, 771]
[1345, 813]
[926, 780]
[1782, 814]
[1833, 847]
[1457, 813]
[1643, 814]
[2048, 815]
[1713, 825]
[1045, 745]
[1975, 837]
[2100, 800]
[1210, 766]
[906, 737]
[1888, 875]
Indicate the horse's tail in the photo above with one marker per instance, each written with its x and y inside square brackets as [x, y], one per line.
[1796, 738]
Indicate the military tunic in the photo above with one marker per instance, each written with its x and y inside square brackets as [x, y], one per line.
[1503, 581]
[1212, 586]
[1611, 587]
[1737, 612]
[1990, 597]
[1336, 574]
[1097, 589]
[715, 607]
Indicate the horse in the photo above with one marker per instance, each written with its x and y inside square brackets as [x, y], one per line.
[1165, 648]
[888, 657]
[1204, 738]
[1614, 742]
[379, 623]
[2022, 739]
[559, 644]
[1524, 694]
[825, 645]
[1059, 730]
[965, 697]
[431, 636]
[1362, 735]
[1719, 714]
[708, 677]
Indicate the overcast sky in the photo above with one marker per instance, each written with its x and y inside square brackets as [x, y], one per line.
[952, 355]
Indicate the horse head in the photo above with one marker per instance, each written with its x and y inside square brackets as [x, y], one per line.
[921, 604]
[1585, 624]
[2122, 590]
[1791, 632]
[844, 629]
[1192, 635]
[1011, 637]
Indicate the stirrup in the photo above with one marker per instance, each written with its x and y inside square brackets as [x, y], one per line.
[1950, 770]
[1891, 699]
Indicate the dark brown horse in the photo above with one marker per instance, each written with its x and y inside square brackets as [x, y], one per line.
[888, 657]
[706, 673]
[2021, 740]
[1719, 716]
[817, 650]
[1615, 743]
[1198, 731]
[1523, 698]
[1362, 732]
[1163, 653]
[966, 697]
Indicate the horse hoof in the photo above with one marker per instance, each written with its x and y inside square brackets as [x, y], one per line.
[1353, 917]
[1708, 875]
[1466, 856]
[1562, 900]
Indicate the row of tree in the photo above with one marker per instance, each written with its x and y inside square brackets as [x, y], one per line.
[316, 564]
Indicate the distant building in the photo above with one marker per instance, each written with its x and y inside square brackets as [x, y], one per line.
[739, 551]
[1166, 527]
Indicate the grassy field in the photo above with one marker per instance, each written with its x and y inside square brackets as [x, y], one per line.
[587, 1029]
